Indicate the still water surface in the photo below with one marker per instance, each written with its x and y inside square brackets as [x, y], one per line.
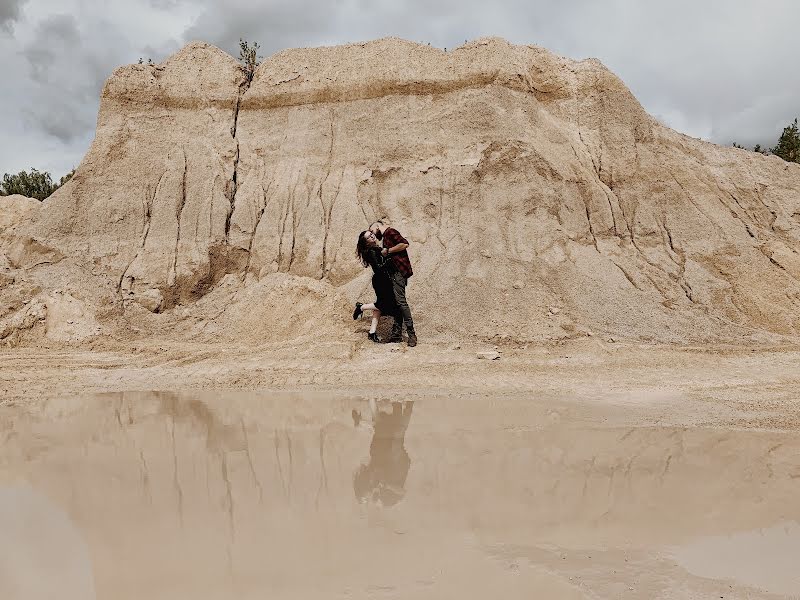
[205, 496]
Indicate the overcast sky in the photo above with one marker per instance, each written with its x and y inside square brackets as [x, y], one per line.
[721, 70]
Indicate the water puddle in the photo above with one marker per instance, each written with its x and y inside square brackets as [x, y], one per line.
[162, 495]
[765, 558]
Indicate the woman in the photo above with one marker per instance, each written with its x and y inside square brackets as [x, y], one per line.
[368, 251]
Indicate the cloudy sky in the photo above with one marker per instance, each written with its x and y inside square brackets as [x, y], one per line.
[721, 70]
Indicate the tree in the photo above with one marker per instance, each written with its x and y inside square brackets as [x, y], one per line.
[35, 184]
[65, 179]
[760, 150]
[788, 147]
[249, 56]
[739, 146]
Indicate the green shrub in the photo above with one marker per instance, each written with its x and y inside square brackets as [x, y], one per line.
[248, 55]
[36, 184]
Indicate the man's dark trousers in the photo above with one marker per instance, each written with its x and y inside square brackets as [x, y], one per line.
[399, 283]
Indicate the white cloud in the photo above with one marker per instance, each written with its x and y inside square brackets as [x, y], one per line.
[59, 58]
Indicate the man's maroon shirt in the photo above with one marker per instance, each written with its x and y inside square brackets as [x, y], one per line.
[392, 237]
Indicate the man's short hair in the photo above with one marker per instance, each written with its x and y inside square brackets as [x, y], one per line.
[375, 223]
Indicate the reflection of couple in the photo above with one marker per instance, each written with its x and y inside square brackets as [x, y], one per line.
[384, 249]
[383, 478]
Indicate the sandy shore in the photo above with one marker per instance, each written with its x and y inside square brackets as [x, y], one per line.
[757, 387]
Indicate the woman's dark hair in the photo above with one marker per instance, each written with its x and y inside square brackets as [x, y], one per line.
[362, 248]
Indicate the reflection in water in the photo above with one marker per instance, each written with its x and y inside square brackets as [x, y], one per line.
[383, 479]
[764, 558]
[233, 495]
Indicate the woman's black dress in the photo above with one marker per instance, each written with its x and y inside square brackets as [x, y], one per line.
[382, 268]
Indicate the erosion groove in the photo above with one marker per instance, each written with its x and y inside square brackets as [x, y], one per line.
[178, 215]
[147, 210]
[232, 189]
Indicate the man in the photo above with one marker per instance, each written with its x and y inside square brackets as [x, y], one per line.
[395, 245]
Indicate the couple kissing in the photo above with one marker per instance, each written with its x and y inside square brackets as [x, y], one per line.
[384, 249]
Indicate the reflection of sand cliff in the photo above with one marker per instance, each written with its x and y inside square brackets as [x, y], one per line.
[228, 496]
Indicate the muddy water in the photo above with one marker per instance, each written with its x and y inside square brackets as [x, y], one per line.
[159, 495]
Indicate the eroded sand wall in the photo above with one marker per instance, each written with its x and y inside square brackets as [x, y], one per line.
[523, 180]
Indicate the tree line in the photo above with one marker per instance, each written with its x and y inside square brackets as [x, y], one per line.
[34, 184]
[788, 146]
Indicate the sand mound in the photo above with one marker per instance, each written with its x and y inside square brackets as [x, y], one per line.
[525, 182]
[16, 209]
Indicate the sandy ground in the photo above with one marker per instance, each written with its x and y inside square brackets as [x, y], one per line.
[755, 387]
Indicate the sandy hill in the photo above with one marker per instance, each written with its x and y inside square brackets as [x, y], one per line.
[540, 199]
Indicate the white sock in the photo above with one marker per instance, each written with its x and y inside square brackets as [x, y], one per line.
[374, 327]
[369, 306]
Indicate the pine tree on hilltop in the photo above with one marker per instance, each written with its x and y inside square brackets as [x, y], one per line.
[788, 147]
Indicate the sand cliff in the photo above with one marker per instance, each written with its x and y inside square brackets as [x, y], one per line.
[211, 208]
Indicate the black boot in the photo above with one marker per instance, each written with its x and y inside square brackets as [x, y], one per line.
[374, 337]
[396, 336]
[412, 337]
[357, 312]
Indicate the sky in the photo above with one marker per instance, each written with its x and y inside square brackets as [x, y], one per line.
[720, 70]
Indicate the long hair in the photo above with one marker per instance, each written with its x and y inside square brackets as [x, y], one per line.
[362, 248]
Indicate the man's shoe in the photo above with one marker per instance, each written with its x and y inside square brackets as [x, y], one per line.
[357, 312]
[374, 337]
[412, 339]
